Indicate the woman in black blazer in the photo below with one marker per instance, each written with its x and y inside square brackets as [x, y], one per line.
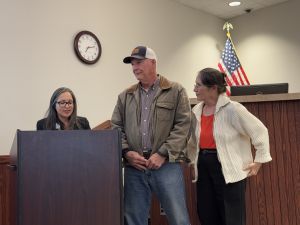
[62, 113]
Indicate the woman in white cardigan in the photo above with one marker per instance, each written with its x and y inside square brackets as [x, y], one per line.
[220, 149]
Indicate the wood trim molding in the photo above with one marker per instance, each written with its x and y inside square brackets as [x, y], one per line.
[259, 98]
[4, 159]
[103, 126]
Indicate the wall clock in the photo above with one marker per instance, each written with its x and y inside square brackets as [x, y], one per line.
[87, 47]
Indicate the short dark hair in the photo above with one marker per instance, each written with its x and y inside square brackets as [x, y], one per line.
[51, 115]
[210, 77]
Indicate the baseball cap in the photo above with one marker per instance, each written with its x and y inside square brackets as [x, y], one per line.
[140, 52]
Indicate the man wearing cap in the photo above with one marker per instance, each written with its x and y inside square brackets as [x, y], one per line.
[154, 119]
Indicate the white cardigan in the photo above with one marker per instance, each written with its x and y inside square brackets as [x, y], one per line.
[234, 129]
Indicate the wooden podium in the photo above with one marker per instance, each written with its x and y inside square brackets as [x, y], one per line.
[67, 177]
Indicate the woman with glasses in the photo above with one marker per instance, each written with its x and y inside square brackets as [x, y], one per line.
[62, 113]
[220, 149]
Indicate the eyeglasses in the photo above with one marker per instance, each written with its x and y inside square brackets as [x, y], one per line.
[64, 103]
[196, 86]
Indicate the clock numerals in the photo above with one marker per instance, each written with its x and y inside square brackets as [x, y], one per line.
[87, 47]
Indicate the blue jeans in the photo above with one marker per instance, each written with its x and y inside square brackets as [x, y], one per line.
[167, 183]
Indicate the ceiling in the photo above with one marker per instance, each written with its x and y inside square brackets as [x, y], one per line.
[221, 9]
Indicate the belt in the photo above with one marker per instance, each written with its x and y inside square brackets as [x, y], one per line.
[147, 154]
[207, 151]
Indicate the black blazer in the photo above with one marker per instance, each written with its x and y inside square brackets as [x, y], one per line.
[81, 124]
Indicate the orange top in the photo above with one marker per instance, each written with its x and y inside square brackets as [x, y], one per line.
[207, 140]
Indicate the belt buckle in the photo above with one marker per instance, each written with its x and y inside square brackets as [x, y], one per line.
[204, 152]
[147, 154]
[207, 152]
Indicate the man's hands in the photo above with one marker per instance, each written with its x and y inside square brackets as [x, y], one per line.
[139, 162]
[155, 161]
[136, 160]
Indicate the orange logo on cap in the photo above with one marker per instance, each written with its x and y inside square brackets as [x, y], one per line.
[135, 51]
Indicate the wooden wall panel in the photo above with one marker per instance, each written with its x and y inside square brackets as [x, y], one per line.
[4, 191]
[296, 166]
[273, 196]
[274, 192]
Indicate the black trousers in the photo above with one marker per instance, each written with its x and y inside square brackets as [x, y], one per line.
[218, 203]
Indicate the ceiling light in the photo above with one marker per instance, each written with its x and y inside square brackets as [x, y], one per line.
[234, 3]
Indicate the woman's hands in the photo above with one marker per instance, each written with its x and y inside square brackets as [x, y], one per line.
[253, 168]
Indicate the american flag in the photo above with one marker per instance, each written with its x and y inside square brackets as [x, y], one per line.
[230, 64]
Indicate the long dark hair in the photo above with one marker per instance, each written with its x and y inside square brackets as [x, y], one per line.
[51, 115]
[210, 77]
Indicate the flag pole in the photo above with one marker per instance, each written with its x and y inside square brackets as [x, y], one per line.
[228, 26]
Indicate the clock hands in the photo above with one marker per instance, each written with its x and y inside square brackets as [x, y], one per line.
[89, 48]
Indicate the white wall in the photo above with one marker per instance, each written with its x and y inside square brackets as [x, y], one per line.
[268, 44]
[37, 54]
